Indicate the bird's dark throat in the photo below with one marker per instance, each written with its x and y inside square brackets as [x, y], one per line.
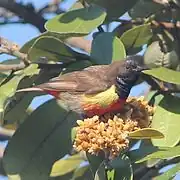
[122, 89]
[123, 86]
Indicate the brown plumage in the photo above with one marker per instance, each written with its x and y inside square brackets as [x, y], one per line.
[72, 88]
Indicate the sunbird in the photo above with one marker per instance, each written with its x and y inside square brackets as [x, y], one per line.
[95, 90]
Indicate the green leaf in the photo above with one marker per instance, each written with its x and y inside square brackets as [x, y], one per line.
[169, 174]
[146, 133]
[73, 134]
[162, 154]
[138, 154]
[77, 22]
[43, 138]
[110, 174]
[64, 166]
[114, 8]
[164, 74]
[100, 173]
[107, 48]
[137, 36]
[51, 48]
[25, 48]
[94, 161]
[166, 120]
[144, 8]
[122, 167]
[5, 74]
[8, 90]
[76, 66]
[79, 172]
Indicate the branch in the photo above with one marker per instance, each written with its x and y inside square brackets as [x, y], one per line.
[11, 48]
[27, 14]
[79, 42]
[12, 67]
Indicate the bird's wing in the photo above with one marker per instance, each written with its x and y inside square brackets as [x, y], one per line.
[90, 80]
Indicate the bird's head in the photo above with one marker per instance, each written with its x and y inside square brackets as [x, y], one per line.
[128, 74]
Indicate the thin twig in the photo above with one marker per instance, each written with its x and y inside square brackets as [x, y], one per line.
[11, 48]
[79, 42]
[12, 67]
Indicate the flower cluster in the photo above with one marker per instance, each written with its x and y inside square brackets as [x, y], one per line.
[110, 133]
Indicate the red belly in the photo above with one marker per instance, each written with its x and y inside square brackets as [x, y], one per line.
[91, 110]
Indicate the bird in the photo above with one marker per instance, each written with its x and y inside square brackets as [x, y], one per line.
[95, 90]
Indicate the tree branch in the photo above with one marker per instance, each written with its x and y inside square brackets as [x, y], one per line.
[11, 48]
[79, 42]
[28, 14]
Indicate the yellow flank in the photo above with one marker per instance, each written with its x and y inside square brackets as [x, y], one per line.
[103, 99]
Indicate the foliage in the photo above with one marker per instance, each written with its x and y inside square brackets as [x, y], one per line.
[43, 136]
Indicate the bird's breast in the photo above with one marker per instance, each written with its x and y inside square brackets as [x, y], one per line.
[101, 103]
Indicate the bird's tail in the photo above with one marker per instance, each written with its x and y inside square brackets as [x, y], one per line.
[30, 89]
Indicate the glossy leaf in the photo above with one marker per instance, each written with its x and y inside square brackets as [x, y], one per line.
[110, 174]
[164, 74]
[122, 167]
[166, 118]
[100, 173]
[51, 48]
[43, 138]
[115, 8]
[94, 161]
[169, 174]
[146, 133]
[137, 36]
[76, 66]
[144, 8]
[162, 154]
[8, 89]
[5, 74]
[77, 22]
[138, 154]
[107, 48]
[155, 56]
[73, 134]
[64, 166]
[80, 172]
[25, 48]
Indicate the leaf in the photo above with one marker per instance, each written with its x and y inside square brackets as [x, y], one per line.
[94, 161]
[164, 74]
[8, 90]
[106, 47]
[100, 173]
[138, 154]
[122, 167]
[64, 166]
[110, 174]
[162, 154]
[76, 66]
[166, 120]
[144, 8]
[77, 22]
[79, 172]
[4, 74]
[137, 36]
[43, 138]
[146, 133]
[51, 48]
[169, 174]
[25, 48]
[114, 8]
[17, 110]
[73, 134]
